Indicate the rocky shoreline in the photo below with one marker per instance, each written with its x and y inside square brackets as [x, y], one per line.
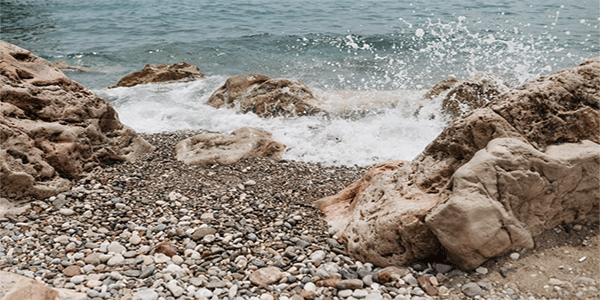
[160, 229]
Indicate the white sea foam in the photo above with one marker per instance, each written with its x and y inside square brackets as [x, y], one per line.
[386, 128]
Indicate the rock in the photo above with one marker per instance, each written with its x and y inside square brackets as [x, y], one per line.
[318, 255]
[426, 285]
[349, 284]
[514, 256]
[472, 289]
[71, 271]
[116, 260]
[174, 288]
[115, 247]
[202, 232]
[145, 294]
[266, 276]
[17, 287]
[160, 73]
[225, 149]
[93, 259]
[491, 167]
[135, 239]
[53, 129]
[66, 211]
[521, 176]
[266, 97]
[463, 96]
[359, 294]
[166, 248]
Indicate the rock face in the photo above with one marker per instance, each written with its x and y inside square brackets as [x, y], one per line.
[160, 73]
[474, 205]
[463, 96]
[52, 128]
[225, 149]
[264, 96]
[509, 192]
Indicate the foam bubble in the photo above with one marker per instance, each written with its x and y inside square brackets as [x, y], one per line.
[419, 32]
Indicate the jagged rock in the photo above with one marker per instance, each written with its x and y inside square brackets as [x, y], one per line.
[462, 96]
[266, 97]
[17, 287]
[52, 128]
[387, 222]
[509, 192]
[225, 149]
[160, 73]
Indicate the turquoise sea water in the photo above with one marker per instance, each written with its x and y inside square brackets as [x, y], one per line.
[398, 48]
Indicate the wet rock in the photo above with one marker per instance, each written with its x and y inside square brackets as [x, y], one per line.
[161, 73]
[264, 96]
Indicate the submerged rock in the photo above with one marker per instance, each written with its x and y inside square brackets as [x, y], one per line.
[225, 149]
[52, 128]
[502, 196]
[266, 97]
[161, 73]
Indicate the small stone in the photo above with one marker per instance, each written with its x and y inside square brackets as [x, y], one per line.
[311, 287]
[209, 238]
[266, 296]
[147, 271]
[368, 280]
[92, 293]
[202, 232]
[77, 279]
[374, 296]
[443, 268]
[472, 289]
[174, 288]
[514, 256]
[426, 285]
[349, 284]
[115, 247]
[161, 258]
[66, 211]
[135, 239]
[132, 273]
[71, 271]
[93, 283]
[318, 255]
[411, 280]
[166, 248]
[344, 293]
[481, 270]
[203, 292]
[265, 276]
[116, 260]
[359, 294]
[177, 259]
[146, 294]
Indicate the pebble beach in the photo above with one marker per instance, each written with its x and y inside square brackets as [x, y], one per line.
[160, 229]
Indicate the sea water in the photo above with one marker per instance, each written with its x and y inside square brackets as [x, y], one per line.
[346, 52]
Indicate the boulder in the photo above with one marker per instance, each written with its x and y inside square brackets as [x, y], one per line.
[17, 287]
[462, 96]
[510, 192]
[226, 149]
[160, 73]
[266, 97]
[52, 129]
[400, 215]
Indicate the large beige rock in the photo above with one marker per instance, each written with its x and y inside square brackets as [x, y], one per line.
[17, 287]
[160, 73]
[387, 223]
[264, 96]
[52, 128]
[509, 192]
[226, 149]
